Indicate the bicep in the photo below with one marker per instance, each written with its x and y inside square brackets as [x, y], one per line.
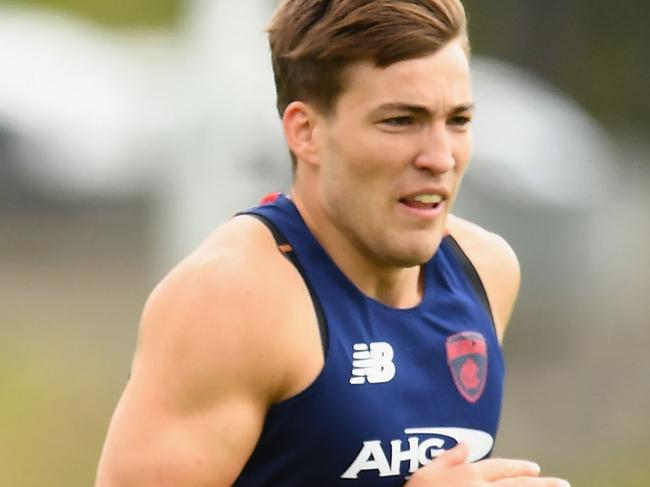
[157, 439]
[194, 406]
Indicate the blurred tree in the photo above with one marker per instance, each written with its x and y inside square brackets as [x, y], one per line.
[592, 49]
[142, 12]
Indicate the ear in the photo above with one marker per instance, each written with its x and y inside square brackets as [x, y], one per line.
[300, 128]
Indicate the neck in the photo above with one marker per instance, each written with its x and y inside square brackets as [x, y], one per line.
[393, 286]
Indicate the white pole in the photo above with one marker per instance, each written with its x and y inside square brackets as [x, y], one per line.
[230, 151]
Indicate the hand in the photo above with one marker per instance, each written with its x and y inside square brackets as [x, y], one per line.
[451, 470]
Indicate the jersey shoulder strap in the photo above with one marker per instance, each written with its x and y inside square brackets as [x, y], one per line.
[472, 275]
[285, 247]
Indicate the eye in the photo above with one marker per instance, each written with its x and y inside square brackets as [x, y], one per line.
[460, 121]
[403, 121]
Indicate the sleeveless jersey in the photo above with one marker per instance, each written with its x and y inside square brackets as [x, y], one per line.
[398, 387]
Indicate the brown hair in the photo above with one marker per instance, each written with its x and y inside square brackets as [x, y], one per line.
[313, 41]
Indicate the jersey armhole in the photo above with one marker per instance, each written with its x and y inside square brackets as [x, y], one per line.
[472, 276]
[286, 249]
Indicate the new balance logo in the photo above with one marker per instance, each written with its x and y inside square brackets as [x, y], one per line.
[372, 363]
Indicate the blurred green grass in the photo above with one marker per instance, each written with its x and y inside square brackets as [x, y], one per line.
[72, 286]
[54, 415]
[621, 467]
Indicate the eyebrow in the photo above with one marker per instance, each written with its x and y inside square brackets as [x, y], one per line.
[421, 110]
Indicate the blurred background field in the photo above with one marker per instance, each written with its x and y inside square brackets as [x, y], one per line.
[127, 131]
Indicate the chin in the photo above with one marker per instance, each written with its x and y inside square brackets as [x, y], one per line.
[413, 256]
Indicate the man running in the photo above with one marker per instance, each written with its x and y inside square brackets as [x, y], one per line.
[347, 333]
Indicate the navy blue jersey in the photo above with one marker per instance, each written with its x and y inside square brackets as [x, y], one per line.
[398, 387]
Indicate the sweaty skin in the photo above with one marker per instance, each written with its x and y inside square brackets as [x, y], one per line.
[232, 329]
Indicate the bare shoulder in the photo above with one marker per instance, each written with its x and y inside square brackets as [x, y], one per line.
[496, 264]
[216, 348]
[225, 306]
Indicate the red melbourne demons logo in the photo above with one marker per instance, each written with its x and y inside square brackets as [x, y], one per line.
[467, 359]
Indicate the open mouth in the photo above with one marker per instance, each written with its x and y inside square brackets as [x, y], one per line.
[423, 201]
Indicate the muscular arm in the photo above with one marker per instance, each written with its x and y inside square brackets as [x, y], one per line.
[203, 376]
[496, 264]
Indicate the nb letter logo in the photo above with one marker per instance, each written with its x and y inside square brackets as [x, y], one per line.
[372, 363]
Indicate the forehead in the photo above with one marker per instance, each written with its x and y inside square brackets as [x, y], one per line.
[438, 81]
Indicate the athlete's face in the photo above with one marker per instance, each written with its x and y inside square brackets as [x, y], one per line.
[392, 156]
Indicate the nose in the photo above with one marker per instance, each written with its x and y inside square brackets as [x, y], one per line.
[435, 152]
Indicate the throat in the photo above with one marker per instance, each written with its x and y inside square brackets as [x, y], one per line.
[402, 291]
